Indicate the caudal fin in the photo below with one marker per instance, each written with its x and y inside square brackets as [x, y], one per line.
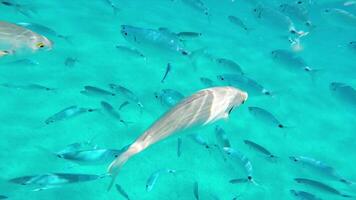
[115, 166]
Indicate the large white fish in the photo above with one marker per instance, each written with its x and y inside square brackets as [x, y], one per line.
[201, 108]
[14, 37]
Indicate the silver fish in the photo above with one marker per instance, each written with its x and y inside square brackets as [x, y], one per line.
[32, 87]
[344, 92]
[242, 81]
[199, 140]
[151, 38]
[321, 186]
[196, 190]
[130, 51]
[67, 113]
[122, 191]
[243, 159]
[198, 5]
[54, 179]
[291, 60]
[168, 69]
[169, 97]
[201, 108]
[318, 165]
[151, 181]
[110, 110]
[265, 116]
[238, 22]
[92, 156]
[128, 94]
[207, 82]
[221, 137]
[302, 195]
[26, 10]
[229, 65]
[259, 148]
[96, 92]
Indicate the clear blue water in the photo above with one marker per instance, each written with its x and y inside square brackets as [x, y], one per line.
[320, 124]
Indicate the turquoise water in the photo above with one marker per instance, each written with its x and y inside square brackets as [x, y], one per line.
[319, 124]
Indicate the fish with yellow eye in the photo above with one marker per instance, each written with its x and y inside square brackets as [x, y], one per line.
[15, 38]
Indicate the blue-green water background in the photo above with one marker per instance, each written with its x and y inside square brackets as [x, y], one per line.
[321, 126]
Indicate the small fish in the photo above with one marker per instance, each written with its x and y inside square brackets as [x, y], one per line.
[70, 61]
[130, 51]
[44, 30]
[238, 22]
[318, 165]
[110, 110]
[296, 12]
[21, 8]
[179, 147]
[302, 195]
[290, 60]
[92, 156]
[265, 116]
[199, 140]
[125, 103]
[229, 65]
[207, 82]
[151, 181]
[340, 17]
[250, 85]
[54, 179]
[202, 108]
[96, 92]
[128, 94]
[67, 113]
[77, 146]
[321, 186]
[168, 69]
[188, 35]
[31, 87]
[259, 148]
[198, 5]
[221, 137]
[196, 190]
[344, 92]
[169, 97]
[122, 192]
[243, 159]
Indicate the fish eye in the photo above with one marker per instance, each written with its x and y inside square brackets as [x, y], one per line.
[90, 110]
[249, 178]
[116, 156]
[267, 93]
[125, 33]
[299, 2]
[243, 102]
[40, 45]
[327, 10]
[255, 10]
[280, 126]
[295, 160]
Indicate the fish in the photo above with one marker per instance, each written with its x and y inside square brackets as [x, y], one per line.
[244, 161]
[122, 192]
[179, 147]
[77, 146]
[69, 112]
[14, 37]
[128, 94]
[344, 92]
[48, 180]
[302, 195]
[168, 69]
[206, 81]
[221, 137]
[238, 180]
[321, 186]
[340, 17]
[238, 22]
[31, 87]
[320, 166]
[296, 12]
[248, 84]
[130, 51]
[197, 5]
[196, 190]
[265, 116]
[110, 110]
[352, 45]
[199, 140]
[91, 156]
[151, 38]
[188, 35]
[152, 179]
[21, 8]
[169, 97]
[202, 108]
[259, 148]
[44, 30]
[229, 65]
[70, 61]
[291, 60]
[96, 92]
[125, 103]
